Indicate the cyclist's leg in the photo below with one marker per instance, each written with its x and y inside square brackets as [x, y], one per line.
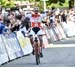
[31, 34]
[32, 43]
[41, 33]
[41, 45]
[31, 39]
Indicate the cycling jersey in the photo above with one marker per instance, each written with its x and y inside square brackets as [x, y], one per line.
[36, 20]
[36, 24]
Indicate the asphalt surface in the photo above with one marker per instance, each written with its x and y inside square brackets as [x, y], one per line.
[65, 41]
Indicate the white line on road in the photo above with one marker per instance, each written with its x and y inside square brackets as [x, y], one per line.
[61, 45]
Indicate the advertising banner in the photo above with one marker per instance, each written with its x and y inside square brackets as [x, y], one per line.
[57, 33]
[52, 35]
[24, 43]
[3, 53]
[12, 46]
[67, 29]
[61, 30]
[45, 42]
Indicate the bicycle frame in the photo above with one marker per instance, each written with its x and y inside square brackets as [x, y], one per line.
[36, 44]
[36, 48]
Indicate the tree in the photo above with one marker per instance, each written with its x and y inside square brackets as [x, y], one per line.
[10, 3]
[55, 1]
[37, 0]
[71, 4]
[3, 2]
[7, 3]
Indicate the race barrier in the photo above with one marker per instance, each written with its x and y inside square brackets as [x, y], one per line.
[61, 31]
[24, 43]
[3, 52]
[13, 46]
[67, 29]
[45, 42]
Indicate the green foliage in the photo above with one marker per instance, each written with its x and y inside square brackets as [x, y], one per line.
[26, 0]
[49, 3]
[37, 0]
[57, 3]
[71, 4]
[7, 3]
[3, 2]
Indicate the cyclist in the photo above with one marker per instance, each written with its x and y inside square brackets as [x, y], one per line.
[36, 27]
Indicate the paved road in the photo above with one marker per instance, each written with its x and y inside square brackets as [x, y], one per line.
[67, 41]
[53, 57]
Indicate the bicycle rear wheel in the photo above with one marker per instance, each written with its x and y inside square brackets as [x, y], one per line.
[37, 59]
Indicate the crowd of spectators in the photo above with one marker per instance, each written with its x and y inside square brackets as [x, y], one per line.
[58, 16]
[16, 19]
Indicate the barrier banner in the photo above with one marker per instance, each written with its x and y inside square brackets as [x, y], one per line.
[46, 31]
[52, 35]
[66, 29]
[3, 53]
[61, 31]
[24, 43]
[71, 25]
[57, 33]
[12, 46]
[45, 42]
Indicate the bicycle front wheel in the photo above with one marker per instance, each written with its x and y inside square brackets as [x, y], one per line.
[37, 59]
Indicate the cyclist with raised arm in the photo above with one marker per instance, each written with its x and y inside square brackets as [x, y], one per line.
[36, 27]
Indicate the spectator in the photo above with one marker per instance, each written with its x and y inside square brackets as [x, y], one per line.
[2, 26]
[63, 17]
